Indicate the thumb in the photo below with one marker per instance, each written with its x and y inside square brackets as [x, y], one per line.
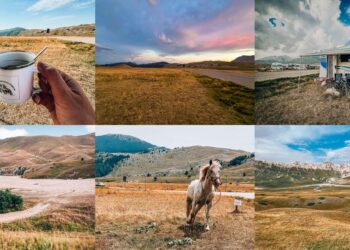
[54, 79]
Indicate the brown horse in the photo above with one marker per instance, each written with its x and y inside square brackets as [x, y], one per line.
[201, 192]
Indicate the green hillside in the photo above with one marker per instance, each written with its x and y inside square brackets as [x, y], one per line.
[122, 144]
[11, 32]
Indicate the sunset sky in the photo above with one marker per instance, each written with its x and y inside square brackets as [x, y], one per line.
[181, 31]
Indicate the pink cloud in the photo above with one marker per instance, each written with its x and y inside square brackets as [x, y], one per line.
[230, 29]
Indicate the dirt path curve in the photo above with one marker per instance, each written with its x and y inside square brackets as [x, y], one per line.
[241, 78]
[48, 191]
[20, 215]
[81, 39]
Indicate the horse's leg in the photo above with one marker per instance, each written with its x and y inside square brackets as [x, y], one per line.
[188, 209]
[192, 206]
[209, 204]
[195, 211]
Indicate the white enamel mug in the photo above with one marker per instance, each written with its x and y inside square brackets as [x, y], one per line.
[16, 81]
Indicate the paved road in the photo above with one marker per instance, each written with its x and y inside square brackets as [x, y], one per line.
[241, 78]
[80, 39]
[264, 76]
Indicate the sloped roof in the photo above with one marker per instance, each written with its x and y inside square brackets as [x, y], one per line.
[333, 51]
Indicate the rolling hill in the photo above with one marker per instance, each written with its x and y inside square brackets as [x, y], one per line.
[120, 155]
[287, 59]
[11, 32]
[242, 62]
[112, 143]
[48, 157]
[244, 59]
[78, 30]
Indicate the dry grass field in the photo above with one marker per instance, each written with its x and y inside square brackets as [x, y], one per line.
[76, 59]
[169, 96]
[64, 226]
[303, 219]
[226, 187]
[137, 219]
[280, 102]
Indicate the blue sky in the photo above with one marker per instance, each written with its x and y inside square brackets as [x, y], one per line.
[303, 143]
[14, 131]
[344, 8]
[180, 31]
[42, 14]
[233, 137]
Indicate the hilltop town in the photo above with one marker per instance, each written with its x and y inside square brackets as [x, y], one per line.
[342, 168]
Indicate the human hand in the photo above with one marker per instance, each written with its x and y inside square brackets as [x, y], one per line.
[63, 97]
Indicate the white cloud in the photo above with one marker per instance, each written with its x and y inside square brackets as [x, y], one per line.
[307, 29]
[163, 38]
[270, 150]
[8, 133]
[84, 4]
[47, 5]
[90, 128]
[271, 143]
[338, 155]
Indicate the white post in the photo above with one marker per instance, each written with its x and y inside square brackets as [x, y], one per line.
[301, 62]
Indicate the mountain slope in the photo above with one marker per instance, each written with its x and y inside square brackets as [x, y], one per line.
[11, 32]
[48, 157]
[122, 144]
[244, 59]
[174, 162]
[287, 59]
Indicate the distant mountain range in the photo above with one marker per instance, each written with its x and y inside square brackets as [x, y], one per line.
[287, 60]
[78, 30]
[127, 155]
[11, 32]
[112, 143]
[48, 157]
[270, 174]
[242, 61]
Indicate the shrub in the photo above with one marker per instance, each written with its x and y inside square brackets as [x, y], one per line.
[10, 202]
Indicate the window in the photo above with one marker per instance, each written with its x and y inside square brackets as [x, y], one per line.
[344, 58]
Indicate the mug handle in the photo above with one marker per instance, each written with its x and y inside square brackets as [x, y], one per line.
[37, 89]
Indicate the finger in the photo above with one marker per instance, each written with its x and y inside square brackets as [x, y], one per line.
[44, 99]
[73, 84]
[54, 79]
[43, 84]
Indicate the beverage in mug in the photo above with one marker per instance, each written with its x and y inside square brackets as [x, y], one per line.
[17, 70]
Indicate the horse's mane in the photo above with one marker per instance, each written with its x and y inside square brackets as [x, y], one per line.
[203, 172]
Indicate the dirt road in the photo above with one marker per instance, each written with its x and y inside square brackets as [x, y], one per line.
[48, 191]
[265, 76]
[20, 215]
[241, 78]
[80, 39]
